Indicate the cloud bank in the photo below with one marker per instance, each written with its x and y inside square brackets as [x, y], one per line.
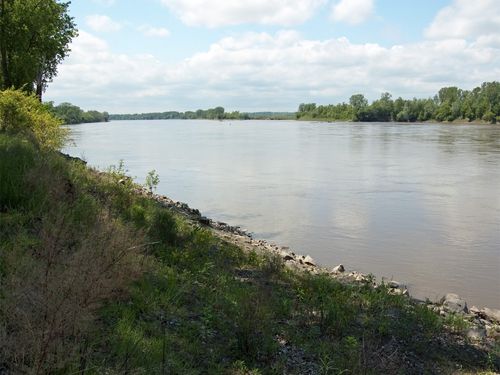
[216, 13]
[278, 71]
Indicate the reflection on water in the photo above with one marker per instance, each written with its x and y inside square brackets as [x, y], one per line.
[417, 203]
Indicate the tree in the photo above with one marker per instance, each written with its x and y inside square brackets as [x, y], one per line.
[34, 39]
[382, 109]
[359, 104]
[219, 113]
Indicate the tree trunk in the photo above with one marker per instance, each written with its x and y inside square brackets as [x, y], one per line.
[39, 85]
[6, 83]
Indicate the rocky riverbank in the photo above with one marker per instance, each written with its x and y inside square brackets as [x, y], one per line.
[480, 326]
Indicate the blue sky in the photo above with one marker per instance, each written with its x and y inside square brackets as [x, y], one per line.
[158, 55]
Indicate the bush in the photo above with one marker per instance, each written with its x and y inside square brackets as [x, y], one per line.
[163, 227]
[16, 157]
[25, 114]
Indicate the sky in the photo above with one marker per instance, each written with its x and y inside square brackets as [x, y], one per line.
[271, 55]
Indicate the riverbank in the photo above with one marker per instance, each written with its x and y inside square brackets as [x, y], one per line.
[99, 276]
[430, 122]
[480, 323]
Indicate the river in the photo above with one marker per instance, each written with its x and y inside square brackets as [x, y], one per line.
[417, 203]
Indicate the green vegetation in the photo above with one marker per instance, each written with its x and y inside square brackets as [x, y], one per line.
[217, 113]
[24, 114]
[152, 180]
[34, 38]
[71, 114]
[271, 115]
[99, 279]
[450, 104]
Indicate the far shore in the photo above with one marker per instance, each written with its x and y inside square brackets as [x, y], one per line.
[318, 120]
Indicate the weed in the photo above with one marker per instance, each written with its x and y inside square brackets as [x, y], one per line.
[456, 323]
[152, 181]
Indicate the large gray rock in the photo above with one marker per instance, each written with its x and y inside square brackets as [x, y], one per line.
[454, 304]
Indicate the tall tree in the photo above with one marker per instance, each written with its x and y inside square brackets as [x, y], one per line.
[34, 39]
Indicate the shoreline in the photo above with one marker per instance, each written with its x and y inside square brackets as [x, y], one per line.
[319, 120]
[483, 323]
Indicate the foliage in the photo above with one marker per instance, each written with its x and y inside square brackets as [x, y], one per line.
[62, 257]
[209, 114]
[72, 114]
[152, 180]
[450, 104]
[24, 114]
[34, 39]
[217, 113]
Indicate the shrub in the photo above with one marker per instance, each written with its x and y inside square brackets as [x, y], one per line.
[16, 157]
[163, 227]
[25, 114]
[152, 180]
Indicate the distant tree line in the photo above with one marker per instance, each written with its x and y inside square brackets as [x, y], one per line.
[217, 113]
[72, 114]
[271, 115]
[449, 104]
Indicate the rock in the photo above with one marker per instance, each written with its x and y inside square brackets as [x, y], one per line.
[394, 284]
[493, 332]
[454, 304]
[360, 277]
[288, 258]
[204, 220]
[339, 269]
[474, 310]
[309, 261]
[476, 333]
[491, 314]
[398, 291]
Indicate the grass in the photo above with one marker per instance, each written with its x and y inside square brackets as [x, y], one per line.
[98, 279]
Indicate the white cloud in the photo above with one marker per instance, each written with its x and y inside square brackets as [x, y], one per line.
[261, 71]
[154, 32]
[93, 74]
[466, 19]
[215, 13]
[352, 11]
[101, 23]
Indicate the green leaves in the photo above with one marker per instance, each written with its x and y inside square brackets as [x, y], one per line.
[24, 114]
[34, 39]
[450, 104]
